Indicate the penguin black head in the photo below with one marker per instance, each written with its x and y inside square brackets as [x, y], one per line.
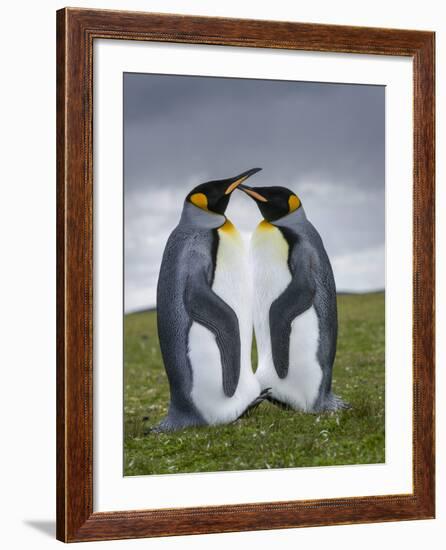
[273, 202]
[213, 196]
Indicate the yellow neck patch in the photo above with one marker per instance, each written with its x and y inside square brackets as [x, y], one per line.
[293, 203]
[265, 226]
[227, 227]
[200, 200]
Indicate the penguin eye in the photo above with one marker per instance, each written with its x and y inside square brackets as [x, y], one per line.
[200, 200]
[293, 203]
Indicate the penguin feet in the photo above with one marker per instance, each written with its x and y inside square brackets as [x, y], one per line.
[329, 403]
[332, 403]
[254, 404]
[162, 428]
[153, 430]
[175, 421]
[165, 426]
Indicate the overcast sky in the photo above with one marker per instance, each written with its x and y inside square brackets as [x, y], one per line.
[323, 141]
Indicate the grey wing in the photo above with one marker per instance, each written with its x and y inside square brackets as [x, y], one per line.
[208, 309]
[295, 300]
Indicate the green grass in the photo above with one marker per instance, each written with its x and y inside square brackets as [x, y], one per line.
[270, 437]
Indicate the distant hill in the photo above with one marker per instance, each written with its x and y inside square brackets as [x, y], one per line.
[142, 310]
[355, 293]
[339, 293]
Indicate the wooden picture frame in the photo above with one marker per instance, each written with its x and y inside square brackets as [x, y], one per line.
[76, 31]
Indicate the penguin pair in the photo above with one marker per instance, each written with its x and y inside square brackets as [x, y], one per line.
[205, 300]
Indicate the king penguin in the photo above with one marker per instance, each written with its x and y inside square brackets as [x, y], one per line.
[295, 313]
[204, 312]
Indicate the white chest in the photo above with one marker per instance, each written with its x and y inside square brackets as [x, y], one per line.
[271, 276]
[232, 283]
[231, 275]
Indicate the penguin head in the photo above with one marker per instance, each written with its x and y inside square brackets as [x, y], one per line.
[273, 202]
[213, 196]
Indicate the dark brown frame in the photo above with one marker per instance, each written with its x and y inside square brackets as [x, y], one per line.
[76, 31]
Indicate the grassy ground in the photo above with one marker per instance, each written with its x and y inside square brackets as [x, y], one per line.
[271, 437]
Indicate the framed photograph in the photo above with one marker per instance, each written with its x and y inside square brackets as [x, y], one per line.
[245, 218]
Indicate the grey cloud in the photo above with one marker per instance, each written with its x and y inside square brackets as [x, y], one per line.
[324, 141]
[213, 127]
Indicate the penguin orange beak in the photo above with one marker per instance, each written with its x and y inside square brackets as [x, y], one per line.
[254, 194]
[240, 179]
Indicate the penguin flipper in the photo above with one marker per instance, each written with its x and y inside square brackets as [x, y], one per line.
[208, 309]
[295, 300]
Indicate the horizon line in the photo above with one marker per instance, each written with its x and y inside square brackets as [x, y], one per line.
[148, 309]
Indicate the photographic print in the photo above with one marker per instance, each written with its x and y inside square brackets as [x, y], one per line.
[245, 275]
[254, 236]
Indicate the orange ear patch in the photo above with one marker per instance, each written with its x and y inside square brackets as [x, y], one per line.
[200, 200]
[293, 203]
